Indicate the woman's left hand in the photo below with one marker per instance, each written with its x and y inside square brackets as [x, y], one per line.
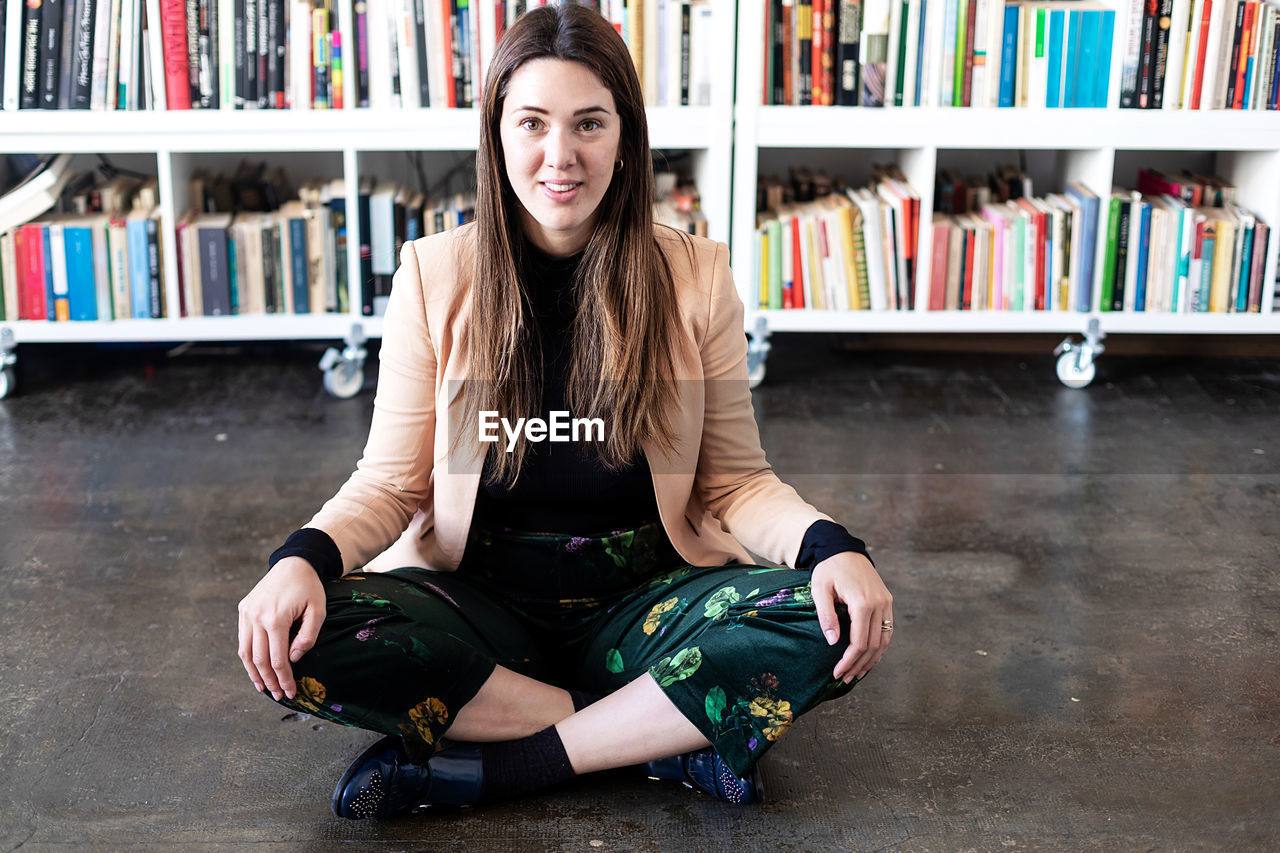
[850, 578]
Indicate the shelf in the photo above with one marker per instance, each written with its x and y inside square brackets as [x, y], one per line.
[898, 127]
[1013, 322]
[302, 130]
[242, 327]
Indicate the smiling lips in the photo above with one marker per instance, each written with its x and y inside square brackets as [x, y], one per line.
[560, 191]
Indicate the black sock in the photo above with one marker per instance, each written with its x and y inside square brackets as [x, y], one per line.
[515, 767]
[582, 699]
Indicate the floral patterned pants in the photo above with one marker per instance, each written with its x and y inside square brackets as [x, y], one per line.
[736, 648]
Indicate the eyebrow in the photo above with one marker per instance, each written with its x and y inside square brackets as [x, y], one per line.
[583, 111]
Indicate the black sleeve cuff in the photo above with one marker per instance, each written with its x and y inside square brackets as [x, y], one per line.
[824, 539]
[316, 547]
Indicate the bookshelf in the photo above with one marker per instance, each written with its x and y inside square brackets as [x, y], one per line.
[347, 144]
[1100, 147]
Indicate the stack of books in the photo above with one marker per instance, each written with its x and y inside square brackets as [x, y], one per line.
[289, 54]
[997, 247]
[98, 261]
[1180, 244]
[958, 53]
[1201, 55]
[820, 246]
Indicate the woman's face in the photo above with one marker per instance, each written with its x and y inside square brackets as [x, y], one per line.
[560, 132]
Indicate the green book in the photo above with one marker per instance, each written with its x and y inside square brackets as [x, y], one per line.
[957, 97]
[773, 234]
[1019, 262]
[1109, 264]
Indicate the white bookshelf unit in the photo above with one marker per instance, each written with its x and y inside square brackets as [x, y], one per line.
[349, 143]
[1100, 147]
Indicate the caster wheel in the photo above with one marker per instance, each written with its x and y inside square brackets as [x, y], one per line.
[344, 380]
[7, 382]
[1070, 373]
[755, 376]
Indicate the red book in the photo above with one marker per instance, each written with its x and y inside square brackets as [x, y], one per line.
[968, 53]
[1198, 80]
[832, 43]
[797, 270]
[970, 244]
[1260, 235]
[1246, 36]
[449, 84]
[177, 73]
[788, 22]
[32, 291]
[938, 269]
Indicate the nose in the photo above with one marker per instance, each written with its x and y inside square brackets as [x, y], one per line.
[560, 153]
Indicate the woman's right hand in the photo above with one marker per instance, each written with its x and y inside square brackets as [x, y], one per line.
[290, 591]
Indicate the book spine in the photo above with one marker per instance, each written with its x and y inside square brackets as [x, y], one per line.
[1234, 62]
[50, 53]
[81, 83]
[177, 78]
[971, 20]
[1160, 60]
[849, 25]
[275, 63]
[804, 42]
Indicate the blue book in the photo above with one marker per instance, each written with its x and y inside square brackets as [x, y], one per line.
[82, 288]
[1057, 20]
[1085, 71]
[924, 8]
[1090, 205]
[51, 307]
[1246, 263]
[298, 265]
[1206, 271]
[1102, 83]
[1184, 257]
[1275, 83]
[1144, 249]
[1008, 56]
[233, 277]
[139, 268]
[1073, 52]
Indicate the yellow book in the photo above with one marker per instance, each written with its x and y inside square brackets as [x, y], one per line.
[818, 292]
[1223, 251]
[763, 235]
[850, 257]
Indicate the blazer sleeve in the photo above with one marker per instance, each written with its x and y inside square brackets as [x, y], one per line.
[393, 475]
[734, 480]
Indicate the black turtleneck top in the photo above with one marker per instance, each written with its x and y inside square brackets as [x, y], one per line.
[563, 487]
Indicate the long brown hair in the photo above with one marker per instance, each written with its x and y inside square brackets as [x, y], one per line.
[621, 368]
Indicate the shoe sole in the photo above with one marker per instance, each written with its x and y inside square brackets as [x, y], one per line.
[374, 749]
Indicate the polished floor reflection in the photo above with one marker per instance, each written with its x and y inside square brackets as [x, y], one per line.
[1086, 591]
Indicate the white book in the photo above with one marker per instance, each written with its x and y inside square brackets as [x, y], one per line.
[128, 54]
[405, 23]
[1135, 246]
[1193, 51]
[101, 54]
[9, 98]
[1176, 59]
[873, 244]
[1026, 23]
[1038, 66]
[806, 262]
[1132, 49]
[376, 25]
[931, 62]
[888, 192]
[112, 93]
[155, 52]
[1194, 270]
[227, 55]
[981, 295]
[995, 47]
[913, 54]
[9, 274]
[700, 33]
[101, 278]
[1222, 72]
[1261, 93]
[891, 69]
[300, 68]
[1213, 48]
[947, 75]
[1156, 254]
[669, 87]
[438, 64]
[58, 255]
[981, 54]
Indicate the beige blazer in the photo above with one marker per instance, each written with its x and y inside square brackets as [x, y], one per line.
[409, 501]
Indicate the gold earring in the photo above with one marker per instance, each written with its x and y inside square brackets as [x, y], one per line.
[617, 167]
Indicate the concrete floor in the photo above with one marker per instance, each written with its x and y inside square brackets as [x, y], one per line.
[1086, 594]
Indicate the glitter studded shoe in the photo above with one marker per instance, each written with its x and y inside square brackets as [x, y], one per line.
[382, 781]
[704, 770]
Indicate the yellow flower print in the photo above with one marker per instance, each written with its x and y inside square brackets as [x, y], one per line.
[654, 618]
[310, 694]
[424, 714]
[777, 716]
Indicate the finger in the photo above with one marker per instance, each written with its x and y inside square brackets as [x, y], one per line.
[866, 626]
[312, 618]
[245, 653]
[879, 641]
[262, 661]
[824, 603]
[279, 641]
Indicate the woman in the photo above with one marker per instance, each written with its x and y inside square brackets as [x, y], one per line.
[560, 608]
